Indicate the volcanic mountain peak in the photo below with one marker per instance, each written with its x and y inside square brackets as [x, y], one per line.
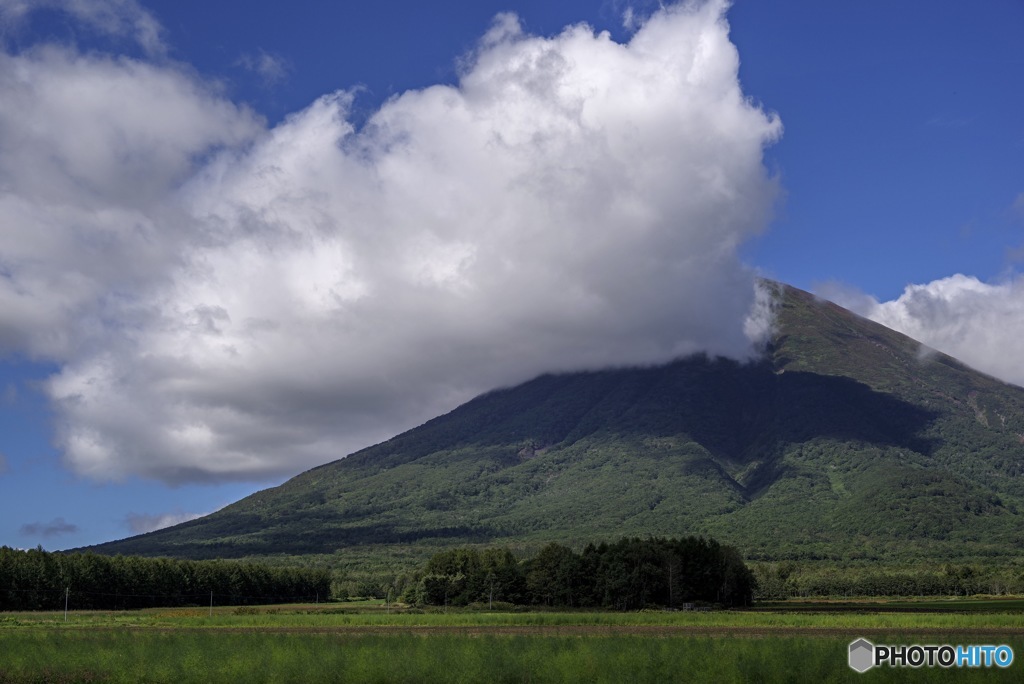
[846, 440]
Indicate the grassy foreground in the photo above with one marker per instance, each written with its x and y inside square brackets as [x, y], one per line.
[368, 644]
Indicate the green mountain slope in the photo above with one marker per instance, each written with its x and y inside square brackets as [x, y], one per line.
[845, 441]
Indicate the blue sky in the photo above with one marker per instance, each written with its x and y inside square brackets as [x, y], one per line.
[239, 239]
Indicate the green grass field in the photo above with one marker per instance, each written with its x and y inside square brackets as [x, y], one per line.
[368, 643]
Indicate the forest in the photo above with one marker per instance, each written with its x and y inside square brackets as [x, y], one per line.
[41, 580]
[629, 574]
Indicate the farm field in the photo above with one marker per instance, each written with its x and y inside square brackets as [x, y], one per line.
[370, 643]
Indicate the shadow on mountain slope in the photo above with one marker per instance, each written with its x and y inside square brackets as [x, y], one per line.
[738, 412]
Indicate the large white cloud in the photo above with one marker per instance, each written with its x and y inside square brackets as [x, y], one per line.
[90, 149]
[573, 202]
[982, 324]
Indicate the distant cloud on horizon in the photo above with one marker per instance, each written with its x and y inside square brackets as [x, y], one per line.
[139, 523]
[54, 528]
[981, 324]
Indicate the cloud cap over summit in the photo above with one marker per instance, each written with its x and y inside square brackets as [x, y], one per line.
[261, 300]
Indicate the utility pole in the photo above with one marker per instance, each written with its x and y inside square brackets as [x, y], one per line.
[67, 593]
[211, 604]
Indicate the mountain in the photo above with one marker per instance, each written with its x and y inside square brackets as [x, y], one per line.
[847, 440]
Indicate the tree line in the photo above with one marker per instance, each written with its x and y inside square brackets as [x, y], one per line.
[792, 580]
[41, 580]
[629, 574]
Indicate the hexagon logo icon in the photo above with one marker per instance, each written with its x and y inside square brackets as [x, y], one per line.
[862, 655]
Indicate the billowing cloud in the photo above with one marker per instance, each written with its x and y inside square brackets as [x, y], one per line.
[140, 523]
[54, 528]
[93, 148]
[571, 203]
[982, 324]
